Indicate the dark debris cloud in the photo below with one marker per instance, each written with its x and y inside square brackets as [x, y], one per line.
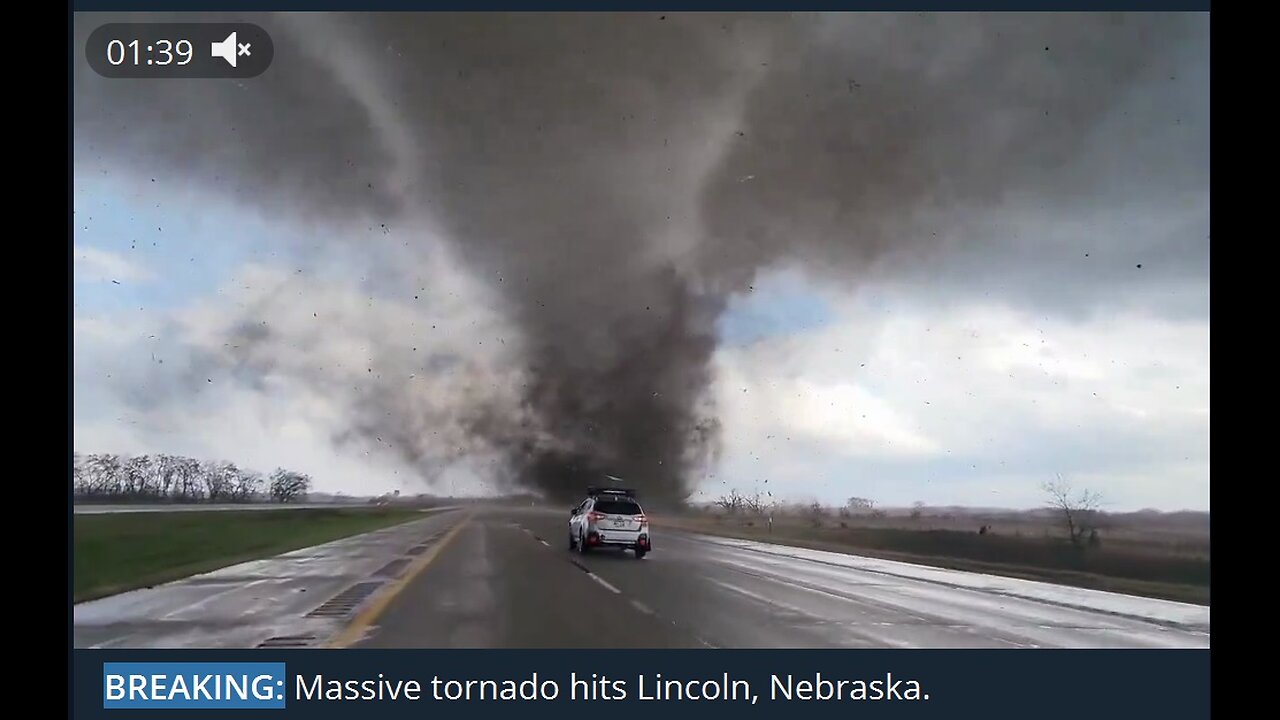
[617, 179]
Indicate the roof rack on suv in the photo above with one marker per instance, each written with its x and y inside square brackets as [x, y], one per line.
[594, 490]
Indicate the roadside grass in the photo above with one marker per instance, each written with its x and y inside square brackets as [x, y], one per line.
[112, 553]
[1164, 571]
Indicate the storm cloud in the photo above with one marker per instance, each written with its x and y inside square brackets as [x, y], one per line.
[610, 182]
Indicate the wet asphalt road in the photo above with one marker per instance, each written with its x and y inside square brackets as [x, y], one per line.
[276, 600]
[207, 507]
[505, 578]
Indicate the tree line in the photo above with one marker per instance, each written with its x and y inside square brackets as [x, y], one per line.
[106, 477]
[737, 503]
[1078, 511]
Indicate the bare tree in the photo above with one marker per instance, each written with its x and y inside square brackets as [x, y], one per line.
[187, 474]
[136, 473]
[81, 479]
[755, 504]
[150, 476]
[816, 513]
[289, 486]
[246, 486]
[732, 503]
[917, 509]
[164, 469]
[219, 479]
[99, 476]
[1077, 510]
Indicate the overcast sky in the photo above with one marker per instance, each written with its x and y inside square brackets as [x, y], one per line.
[1025, 296]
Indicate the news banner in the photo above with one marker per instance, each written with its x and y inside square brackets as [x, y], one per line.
[631, 683]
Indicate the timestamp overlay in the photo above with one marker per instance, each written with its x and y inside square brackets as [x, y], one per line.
[179, 50]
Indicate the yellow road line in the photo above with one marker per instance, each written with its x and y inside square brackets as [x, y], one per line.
[355, 630]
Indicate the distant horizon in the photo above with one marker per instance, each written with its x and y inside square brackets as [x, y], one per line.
[522, 494]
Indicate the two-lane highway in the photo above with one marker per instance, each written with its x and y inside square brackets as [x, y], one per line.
[505, 578]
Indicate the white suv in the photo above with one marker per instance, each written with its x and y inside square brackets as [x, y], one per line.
[609, 518]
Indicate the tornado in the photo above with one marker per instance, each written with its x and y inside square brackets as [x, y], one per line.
[611, 182]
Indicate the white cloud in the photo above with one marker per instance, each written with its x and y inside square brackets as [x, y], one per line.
[91, 333]
[922, 402]
[844, 416]
[93, 263]
[365, 392]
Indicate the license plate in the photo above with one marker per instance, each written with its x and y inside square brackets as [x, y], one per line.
[619, 523]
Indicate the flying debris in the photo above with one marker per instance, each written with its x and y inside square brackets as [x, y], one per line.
[532, 189]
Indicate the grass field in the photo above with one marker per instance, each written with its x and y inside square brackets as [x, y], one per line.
[1135, 561]
[113, 553]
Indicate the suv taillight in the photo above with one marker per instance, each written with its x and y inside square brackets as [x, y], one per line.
[593, 516]
[642, 519]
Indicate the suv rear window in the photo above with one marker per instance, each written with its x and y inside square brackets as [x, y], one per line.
[617, 507]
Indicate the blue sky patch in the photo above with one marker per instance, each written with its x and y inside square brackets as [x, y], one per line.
[777, 304]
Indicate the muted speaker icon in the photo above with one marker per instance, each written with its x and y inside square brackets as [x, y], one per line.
[228, 49]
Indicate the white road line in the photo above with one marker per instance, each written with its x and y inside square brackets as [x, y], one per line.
[544, 542]
[605, 583]
[641, 607]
